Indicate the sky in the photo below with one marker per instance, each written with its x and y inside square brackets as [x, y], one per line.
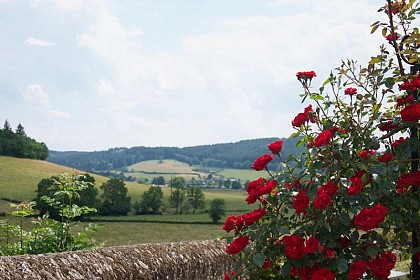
[89, 75]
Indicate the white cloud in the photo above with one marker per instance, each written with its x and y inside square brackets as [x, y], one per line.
[59, 114]
[66, 5]
[31, 41]
[36, 96]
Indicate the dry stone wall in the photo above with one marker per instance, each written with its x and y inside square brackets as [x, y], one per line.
[184, 260]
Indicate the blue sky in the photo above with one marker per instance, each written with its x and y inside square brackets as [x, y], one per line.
[94, 74]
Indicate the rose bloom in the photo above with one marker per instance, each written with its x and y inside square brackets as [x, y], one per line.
[409, 179]
[322, 273]
[300, 119]
[230, 223]
[276, 146]
[409, 99]
[267, 263]
[368, 219]
[388, 126]
[329, 253]
[389, 37]
[365, 154]
[322, 200]
[398, 142]
[254, 216]
[411, 113]
[261, 162]
[311, 245]
[330, 188]
[294, 247]
[237, 245]
[357, 268]
[301, 202]
[323, 138]
[344, 242]
[350, 91]
[306, 75]
[385, 158]
[412, 85]
[381, 266]
[254, 184]
[356, 185]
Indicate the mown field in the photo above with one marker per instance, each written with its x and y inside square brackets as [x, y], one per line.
[19, 179]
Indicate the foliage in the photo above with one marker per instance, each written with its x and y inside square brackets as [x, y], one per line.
[178, 193]
[346, 206]
[151, 200]
[49, 186]
[237, 155]
[48, 235]
[160, 181]
[116, 199]
[217, 209]
[19, 145]
[195, 197]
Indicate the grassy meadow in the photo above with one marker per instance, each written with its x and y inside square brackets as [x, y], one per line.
[19, 179]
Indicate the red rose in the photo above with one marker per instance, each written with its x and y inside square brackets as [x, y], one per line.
[261, 162]
[329, 253]
[301, 202]
[267, 187]
[322, 200]
[356, 185]
[254, 184]
[237, 245]
[388, 126]
[409, 180]
[258, 190]
[254, 216]
[330, 188]
[409, 99]
[276, 146]
[300, 119]
[412, 85]
[357, 269]
[385, 158]
[411, 113]
[311, 245]
[306, 75]
[323, 138]
[368, 219]
[350, 91]
[267, 263]
[344, 242]
[230, 223]
[365, 153]
[389, 37]
[398, 142]
[294, 247]
[322, 274]
[381, 266]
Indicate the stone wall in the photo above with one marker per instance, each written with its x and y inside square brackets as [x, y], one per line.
[184, 260]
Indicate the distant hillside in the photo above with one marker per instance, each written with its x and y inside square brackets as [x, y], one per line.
[239, 155]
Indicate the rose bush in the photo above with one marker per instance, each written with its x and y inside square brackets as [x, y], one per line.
[346, 207]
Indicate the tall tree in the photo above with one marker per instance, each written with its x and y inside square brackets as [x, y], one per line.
[217, 209]
[195, 197]
[20, 130]
[177, 193]
[151, 200]
[116, 201]
[7, 126]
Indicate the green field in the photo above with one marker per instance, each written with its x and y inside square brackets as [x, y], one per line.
[19, 179]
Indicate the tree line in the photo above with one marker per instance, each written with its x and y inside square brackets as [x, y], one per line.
[239, 155]
[18, 144]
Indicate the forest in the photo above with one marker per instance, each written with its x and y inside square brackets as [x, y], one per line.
[18, 144]
[238, 155]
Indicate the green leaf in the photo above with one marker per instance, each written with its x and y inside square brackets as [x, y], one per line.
[374, 27]
[258, 259]
[372, 252]
[295, 134]
[345, 219]
[285, 270]
[316, 97]
[342, 265]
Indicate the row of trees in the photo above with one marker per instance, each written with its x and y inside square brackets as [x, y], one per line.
[114, 198]
[18, 144]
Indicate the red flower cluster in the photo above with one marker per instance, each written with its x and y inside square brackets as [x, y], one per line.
[301, 202]
[388, 126]
[408, 99]
[323, 197]
[370, 218]
[357, 268]
[386, 158]
[411, 113]
[261, 162]
[412, 85]
[237, 245]
[306, 75]
[294, 246]
[350, 91]
[258, 188]
[247, 219]
[276, 146]
[323, 138]
[408, 180]
[313, 273]
[390, 38]
[365, 153]
[398, 142]
[311, 245]
[382, 265]
[301, 118]
[355, 186]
